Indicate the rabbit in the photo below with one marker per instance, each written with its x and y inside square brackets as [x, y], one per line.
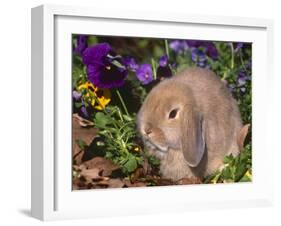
[190, 122]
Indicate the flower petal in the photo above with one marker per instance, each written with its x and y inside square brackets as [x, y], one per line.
[144, 74]
[130, 63]
[81, 44]
[163, 61]
[96, 54]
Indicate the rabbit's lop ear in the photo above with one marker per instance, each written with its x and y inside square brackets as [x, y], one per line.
[192, 139]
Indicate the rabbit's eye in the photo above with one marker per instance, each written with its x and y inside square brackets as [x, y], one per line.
[173, 113]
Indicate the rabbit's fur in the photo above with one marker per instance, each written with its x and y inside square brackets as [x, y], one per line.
[192, 140]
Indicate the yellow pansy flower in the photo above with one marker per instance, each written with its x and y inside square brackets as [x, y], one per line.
[97, 97]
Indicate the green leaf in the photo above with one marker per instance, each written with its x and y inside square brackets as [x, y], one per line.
[226, 173]
[77, 74]
[127, 118]
[131, 165]
[228, 159]
[140, 160]
[240, 171]
[92, 40]
[153, 160]
[101, 120]
[78, 104]
[108, 155]
[158, 51]
[142, 43]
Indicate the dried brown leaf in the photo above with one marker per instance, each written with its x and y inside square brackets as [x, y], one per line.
[82, 121]
[164, 182]
[79, 183]
[90, 174]
[86, 134]
[111, 183]
[184, 181]
[105, 166]
[140, 172]
[129, 184]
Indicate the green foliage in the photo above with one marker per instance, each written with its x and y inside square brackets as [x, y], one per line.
[118, 132]
[230, 64]
[235, 169]
[153, 161]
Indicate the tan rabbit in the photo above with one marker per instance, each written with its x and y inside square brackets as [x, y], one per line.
[190, 122]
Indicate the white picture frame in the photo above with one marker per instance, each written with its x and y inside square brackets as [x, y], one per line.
[52, 197]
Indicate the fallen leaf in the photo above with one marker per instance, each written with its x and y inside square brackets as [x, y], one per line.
[95, 173]
[79, 183]
[105, 166]
[129, 184]
[164, 182]
[189, 181]
[82, 121]
[158, 181]
[86, 134]
[90, 174]
[140, 172]
[111, 183]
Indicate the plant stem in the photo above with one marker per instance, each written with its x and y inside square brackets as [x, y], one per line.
[103, 109]
[167, 48]
[120, 115]
[242, 62]
[153, 69]
[232, 55]
[122, 102]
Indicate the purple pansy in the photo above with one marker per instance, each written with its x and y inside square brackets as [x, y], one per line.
[178, 46]
[82, 109]
[243, 78]
[163, 71]
[209, 47]
[238, 46]
[130, 63]
[144, 74]
[96, 54]
[81, 44]
[211, 50]
[194, 43]
[198, 56]
[104, 68]
[76, 95]
[83, 112]
[163, 61]
[241, 82]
